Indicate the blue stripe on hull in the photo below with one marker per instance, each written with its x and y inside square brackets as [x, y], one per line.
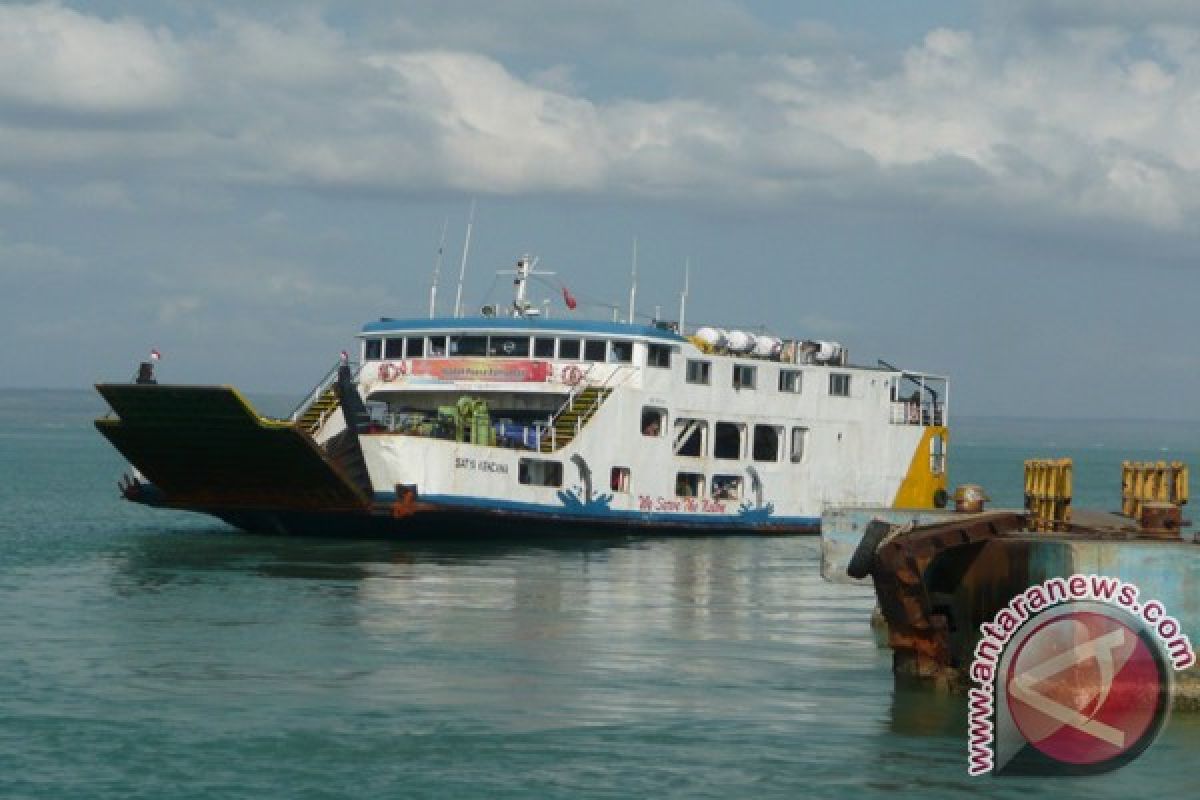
[646, 519]
[456, 515]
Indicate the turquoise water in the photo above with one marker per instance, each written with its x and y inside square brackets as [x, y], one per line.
[151, 654]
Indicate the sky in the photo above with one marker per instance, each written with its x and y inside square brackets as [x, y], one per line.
[1001, 192]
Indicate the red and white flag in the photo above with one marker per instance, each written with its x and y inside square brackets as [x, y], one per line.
[155, 355]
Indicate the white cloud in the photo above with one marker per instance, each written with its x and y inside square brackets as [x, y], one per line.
[493, 130]
[56, 58]
[305, 54]
[1076, 119]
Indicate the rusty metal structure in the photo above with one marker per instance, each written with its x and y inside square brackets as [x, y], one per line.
[937, 583]
[920, 625]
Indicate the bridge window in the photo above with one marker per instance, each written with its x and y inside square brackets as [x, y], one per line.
[699, 371]
[689, 437]
[437, 346]
[393, 348]
[839, 384]
[539, 472]
[743, 376]
[789, 380]
[509, 346]
[568, 349]
[372, 350]
[689, 484]
[726, 487]
[468, 345]
[594, 349]
[799, 440]
[415, 346]
[543, 347]
[766, 442]
[658, 355]
[727, 440]
[622, 352]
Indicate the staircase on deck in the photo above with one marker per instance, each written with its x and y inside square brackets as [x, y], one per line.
[312, 418]
[571, 419]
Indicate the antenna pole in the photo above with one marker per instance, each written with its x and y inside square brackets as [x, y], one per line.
[633, 285]
[437, 271]
[526, 267]
[687, 274]
[462, 270]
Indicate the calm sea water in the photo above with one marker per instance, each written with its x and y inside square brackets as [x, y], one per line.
[153, 654]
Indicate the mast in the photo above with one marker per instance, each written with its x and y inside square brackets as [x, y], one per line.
[462, 270]
[521, 306]
[687, 273]
[437, 270]
[633, 285]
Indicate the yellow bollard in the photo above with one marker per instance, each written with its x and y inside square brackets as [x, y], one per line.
[1152, 482]
[1048, 487]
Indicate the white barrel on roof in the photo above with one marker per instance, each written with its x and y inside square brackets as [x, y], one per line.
[767, 346]
[713, 337]
[828, 351]
[741, 342]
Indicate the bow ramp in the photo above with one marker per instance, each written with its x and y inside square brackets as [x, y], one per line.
[205, 448]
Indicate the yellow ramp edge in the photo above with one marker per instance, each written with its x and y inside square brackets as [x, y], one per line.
[205, 447]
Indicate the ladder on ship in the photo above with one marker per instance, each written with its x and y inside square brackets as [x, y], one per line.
[312, 418]
[570, 420]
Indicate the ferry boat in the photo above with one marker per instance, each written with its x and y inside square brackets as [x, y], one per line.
[512, 419]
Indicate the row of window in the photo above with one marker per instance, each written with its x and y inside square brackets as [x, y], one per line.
[745, 376]
[544, 472]
[733, 441]
[504, 346]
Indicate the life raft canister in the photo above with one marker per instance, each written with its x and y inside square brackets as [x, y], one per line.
[388, 371]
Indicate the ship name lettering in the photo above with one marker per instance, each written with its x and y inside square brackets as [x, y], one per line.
[481, 466]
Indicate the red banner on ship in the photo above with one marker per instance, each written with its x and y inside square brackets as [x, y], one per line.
[481, 369]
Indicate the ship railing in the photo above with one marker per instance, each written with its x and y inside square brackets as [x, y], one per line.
[918, 413]
[918, 398]
[320, 389]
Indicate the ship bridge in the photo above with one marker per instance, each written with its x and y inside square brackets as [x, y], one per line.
[528, 370]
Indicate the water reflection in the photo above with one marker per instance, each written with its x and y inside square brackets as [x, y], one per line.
[525, 635]
[720, 588]
[148, 561]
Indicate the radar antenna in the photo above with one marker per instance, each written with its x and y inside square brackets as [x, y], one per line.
[526, 269]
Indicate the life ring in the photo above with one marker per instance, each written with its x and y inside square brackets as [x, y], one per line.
[388, 371]
[572, 375]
